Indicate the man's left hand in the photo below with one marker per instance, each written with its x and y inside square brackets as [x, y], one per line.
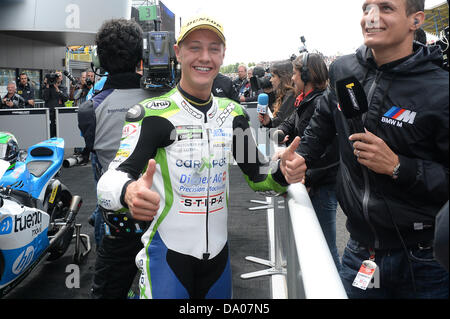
[374, 153]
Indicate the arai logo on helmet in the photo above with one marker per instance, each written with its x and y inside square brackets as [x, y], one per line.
[24, 259]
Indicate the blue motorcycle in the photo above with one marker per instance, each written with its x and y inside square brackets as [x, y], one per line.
[37, 212]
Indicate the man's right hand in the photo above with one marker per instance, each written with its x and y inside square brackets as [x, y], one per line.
[143, 202]
[292, 165]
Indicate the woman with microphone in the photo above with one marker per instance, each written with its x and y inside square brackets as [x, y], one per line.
[282, 85]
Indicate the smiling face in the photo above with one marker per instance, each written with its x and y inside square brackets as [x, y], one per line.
[386, 25]
[201, 55]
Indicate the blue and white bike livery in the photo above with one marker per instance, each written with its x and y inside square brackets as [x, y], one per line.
[37, 213]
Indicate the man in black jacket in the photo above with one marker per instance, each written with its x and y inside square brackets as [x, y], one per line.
[55, 95]
[25, 90]
[393, 179]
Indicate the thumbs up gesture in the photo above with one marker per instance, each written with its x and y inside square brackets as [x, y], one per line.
[292, 165]
[143, 202]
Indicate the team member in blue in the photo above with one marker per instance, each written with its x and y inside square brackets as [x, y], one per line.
[184, 142]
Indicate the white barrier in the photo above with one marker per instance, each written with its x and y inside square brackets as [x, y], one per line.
[32, 125]
[311, 271]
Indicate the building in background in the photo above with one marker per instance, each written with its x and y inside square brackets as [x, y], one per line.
[35, 34]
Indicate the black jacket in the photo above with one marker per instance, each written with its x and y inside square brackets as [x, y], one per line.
[420, 137]
[55, 99]
[223, 87]
[18, 102]
[322, 171]
[285, 110]
[26, 92]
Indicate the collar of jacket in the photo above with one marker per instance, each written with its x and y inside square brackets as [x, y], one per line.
[123, 81]
[417, 62]
[302, 98]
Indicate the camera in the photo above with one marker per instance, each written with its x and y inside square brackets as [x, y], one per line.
[161, 71]
[259, 80]
[52, 78]
[303, 48]
[70, 77]
[89, 82]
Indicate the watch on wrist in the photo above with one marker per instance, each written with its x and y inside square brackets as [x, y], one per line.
[396, 171]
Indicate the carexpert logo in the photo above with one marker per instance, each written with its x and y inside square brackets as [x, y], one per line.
[397, 116]
[200, 165]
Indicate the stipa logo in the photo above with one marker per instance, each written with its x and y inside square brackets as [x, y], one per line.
[397, 116]
[23, 260]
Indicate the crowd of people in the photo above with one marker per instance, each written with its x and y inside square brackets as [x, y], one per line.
[156, 151]
[54, 94]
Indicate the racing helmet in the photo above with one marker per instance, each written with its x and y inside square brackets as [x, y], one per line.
[9, 149]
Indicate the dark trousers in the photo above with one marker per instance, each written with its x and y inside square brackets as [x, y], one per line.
[115, 267]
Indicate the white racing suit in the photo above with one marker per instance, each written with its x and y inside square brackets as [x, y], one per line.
[186, 254]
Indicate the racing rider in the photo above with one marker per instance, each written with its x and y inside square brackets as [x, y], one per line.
[182, 142]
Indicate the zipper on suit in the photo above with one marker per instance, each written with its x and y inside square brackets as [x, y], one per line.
[207, 253]
[365, 170]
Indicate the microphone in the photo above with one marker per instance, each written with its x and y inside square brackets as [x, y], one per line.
[70, 76]
[278, 136]
[352, 102]
[263, 102]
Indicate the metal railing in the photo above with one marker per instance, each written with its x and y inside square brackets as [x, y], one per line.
[300, 263]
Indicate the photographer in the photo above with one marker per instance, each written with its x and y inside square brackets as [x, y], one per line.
[254, 88]
[54, 95]
[81, 90]
[25, 90]
[12, 100]
[283, 106]
[100, 119]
